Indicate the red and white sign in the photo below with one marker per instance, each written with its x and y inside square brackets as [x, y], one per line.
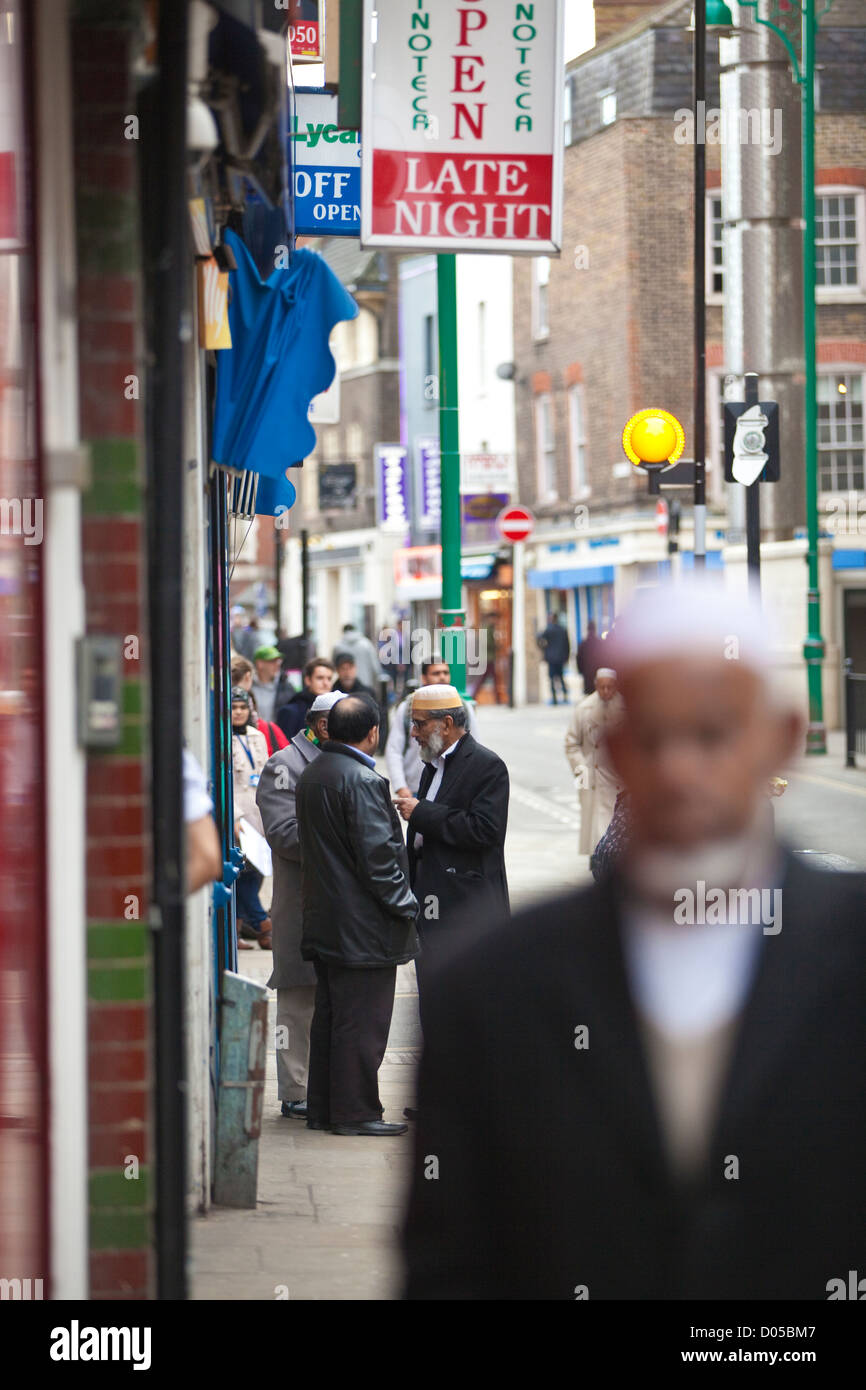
[462, 125]
[515, 523]
[306, 31]
[662, 517]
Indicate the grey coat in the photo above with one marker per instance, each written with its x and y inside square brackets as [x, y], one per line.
[275, 797]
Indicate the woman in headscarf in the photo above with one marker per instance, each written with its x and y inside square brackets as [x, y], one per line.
[249, 755]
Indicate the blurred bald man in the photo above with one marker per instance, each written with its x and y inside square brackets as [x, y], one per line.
[689, 1031]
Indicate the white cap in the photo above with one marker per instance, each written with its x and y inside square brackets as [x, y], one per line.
[606, 671]
[323, 703]
[699, 616]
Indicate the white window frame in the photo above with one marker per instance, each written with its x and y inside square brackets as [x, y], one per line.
[835, 294]
[713, 296]
[568, 112]
[545, 448]
[835, 370]
[540, 281]
[606, 113]
[579, 472]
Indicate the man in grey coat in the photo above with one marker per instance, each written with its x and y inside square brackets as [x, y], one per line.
[293, 978]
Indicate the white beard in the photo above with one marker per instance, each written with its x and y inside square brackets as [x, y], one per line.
[435, 744]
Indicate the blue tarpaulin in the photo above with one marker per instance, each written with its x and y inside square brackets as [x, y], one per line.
[279, 360]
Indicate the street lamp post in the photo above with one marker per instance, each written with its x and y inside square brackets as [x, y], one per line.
[795, 23]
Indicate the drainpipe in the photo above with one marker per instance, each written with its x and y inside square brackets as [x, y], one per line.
[164, 227]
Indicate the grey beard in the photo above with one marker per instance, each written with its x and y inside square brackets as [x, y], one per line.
[433, 749]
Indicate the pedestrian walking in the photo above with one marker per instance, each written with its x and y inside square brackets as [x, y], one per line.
[318, 678]
[249, 755]
[556, 648]
[347, 679]
[402, 755]
[354, 644]
[456, 828]
[243, 672]
[358, 920]
[590, 655]
[269, 686]
[293, 978]
[701, 1127]
[586, 750]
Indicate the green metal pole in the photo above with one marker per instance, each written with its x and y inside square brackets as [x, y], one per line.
[813, 647]
[451, 613]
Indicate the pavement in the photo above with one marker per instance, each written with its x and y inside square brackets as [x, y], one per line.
[326, 1223]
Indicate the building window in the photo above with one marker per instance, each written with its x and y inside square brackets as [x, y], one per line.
[354, 442]
[431, 367]
[840, 431]
[568, 112]
[482, 346]
[607, 107]
[540, 300]
[577, 440]
[715, 265]
[839, 241]
[545, 449]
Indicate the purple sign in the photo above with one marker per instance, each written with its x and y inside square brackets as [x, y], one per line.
[429, 467]
[480, 510]
[392, 481]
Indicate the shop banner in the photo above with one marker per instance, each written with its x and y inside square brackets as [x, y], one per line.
[486, 472]
[391, 462]
[430, 479]
[462, 125]
[326, 167]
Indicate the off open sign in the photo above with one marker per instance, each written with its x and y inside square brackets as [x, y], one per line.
[327, 169]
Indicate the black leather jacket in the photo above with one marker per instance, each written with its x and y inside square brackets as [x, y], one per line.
[358, 907]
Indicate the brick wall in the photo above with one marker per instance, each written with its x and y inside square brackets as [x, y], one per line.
[118, 811]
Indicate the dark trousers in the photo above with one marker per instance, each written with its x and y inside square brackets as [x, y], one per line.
[250, 910]
[554, 670]
[348, 1038]
[438, 943]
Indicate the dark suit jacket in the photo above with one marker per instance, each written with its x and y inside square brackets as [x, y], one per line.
[551, 1169]
[463, 858]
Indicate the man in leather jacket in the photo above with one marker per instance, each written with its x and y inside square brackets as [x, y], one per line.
[359, 919]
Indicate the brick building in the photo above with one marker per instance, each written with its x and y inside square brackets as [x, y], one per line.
[606, 329]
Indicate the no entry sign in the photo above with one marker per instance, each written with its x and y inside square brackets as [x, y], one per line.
[463, 125]
[515, 523]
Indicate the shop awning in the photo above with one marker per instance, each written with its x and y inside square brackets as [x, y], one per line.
[576, 578]
[477, 566]
[279, 360]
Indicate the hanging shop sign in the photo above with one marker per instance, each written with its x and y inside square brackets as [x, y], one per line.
[391, 462]
[486, 472]
[325, 408]
[479, 513]
[307, 31]
[462, 125]
[338, 484]
[430, 481]
[326, 166]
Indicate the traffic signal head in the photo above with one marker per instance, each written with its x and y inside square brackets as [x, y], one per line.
[653, 438]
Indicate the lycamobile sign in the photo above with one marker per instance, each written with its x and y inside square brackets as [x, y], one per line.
[462, 125]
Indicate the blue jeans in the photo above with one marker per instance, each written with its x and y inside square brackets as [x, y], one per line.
[250, 910]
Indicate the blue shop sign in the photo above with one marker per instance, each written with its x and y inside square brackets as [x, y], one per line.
[326, 168]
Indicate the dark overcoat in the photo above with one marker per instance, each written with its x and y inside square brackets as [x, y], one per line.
[277, 803]
[462, 863]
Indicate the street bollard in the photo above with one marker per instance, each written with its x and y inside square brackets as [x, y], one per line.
[244, 1021]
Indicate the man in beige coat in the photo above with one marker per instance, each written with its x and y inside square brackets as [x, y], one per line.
[586, 750]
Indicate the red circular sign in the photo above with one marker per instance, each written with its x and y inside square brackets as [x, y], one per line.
[662, 516]
[515, 523]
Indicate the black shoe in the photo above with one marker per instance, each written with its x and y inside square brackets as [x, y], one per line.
[317, 1124]
[294, 1107]
[373, 1127]
[409, 1113]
